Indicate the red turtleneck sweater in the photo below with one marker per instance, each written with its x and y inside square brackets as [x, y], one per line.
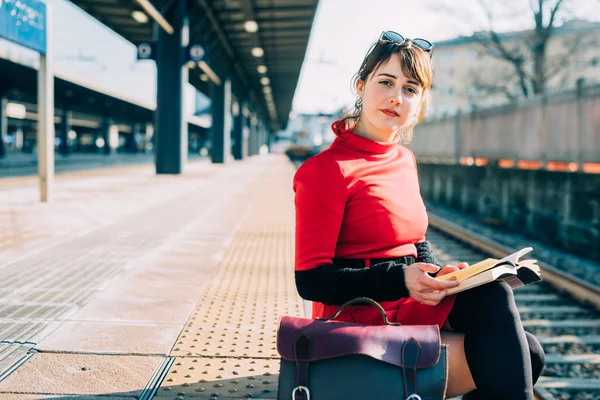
[360, 199]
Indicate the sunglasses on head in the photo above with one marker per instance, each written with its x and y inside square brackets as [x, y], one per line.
[394, 37]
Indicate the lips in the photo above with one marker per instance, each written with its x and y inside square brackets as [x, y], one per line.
[389, 112]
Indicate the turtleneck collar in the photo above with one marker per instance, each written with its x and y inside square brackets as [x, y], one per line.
[348, 138]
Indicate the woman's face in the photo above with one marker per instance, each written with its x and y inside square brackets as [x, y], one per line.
[390, 100]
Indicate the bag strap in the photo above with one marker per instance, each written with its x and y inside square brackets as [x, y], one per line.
[302, 354]
[357, 301]
[410, 357]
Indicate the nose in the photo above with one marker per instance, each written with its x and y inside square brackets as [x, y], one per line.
[396, 98]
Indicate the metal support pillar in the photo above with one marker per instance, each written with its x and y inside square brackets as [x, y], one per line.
[252, 135]
[3, 125]
[130, 140]
[171, 129]
[260, 137]
[221, 121]
[239, 127]
[245, 129]
[45, 122]
[106, 128]
[65, 127]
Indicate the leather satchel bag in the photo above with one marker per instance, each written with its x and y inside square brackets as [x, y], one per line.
[324, 359]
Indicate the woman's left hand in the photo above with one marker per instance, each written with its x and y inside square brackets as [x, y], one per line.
[451, 268]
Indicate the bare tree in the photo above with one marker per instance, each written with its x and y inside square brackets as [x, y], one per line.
[529, 60]
[484, 85]
[544, 16]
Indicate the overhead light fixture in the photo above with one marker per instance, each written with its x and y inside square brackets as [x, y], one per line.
[209, 72]
[262, 69]
[16, 110]
[258, 52]
[267, 89]
[265, 81]
[251, 26]
[156, 15]
[204, 77]
[139, 16]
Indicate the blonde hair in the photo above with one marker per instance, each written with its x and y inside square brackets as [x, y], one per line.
[416, 64]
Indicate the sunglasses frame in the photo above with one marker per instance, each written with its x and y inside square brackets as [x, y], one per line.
[385, 36]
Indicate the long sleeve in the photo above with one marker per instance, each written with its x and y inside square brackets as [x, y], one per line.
[425, 253]
[320, 199]
[332, 284]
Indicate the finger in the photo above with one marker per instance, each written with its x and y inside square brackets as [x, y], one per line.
[438, 284]
[462, 265]
[434, 297]
[447, 269]
[428, 267]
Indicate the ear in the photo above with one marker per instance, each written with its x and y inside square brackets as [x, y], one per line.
[360, 87]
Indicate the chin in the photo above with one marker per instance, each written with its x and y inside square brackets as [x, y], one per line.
[388, 128]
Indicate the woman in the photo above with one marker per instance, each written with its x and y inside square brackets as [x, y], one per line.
[360, 232]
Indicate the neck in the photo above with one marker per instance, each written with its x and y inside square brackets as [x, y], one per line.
[364, 129]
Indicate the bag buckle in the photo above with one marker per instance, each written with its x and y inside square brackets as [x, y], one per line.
[305, 389]
[414, 396]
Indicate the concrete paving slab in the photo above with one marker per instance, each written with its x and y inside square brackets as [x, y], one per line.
[169, 278]
[131, 309]
[152, 289]
[111, 338]
[81, 374]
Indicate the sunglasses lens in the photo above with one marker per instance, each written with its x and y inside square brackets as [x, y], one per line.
[423, 44]
[393, 36]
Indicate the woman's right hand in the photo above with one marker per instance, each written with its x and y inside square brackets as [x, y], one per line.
[424, 288]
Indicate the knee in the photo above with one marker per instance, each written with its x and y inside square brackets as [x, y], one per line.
[538, 357]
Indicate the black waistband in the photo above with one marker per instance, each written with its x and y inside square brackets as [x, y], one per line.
[362, 263]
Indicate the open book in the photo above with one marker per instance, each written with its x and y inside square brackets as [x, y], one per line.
[510, 269]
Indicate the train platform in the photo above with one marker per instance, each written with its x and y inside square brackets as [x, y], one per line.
[24, 164]
[133, 285]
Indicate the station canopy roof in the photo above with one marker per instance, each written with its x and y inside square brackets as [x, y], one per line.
[221, 26]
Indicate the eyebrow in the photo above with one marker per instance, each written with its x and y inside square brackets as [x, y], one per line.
[395, 77]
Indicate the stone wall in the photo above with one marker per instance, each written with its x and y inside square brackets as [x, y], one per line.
[561, 209]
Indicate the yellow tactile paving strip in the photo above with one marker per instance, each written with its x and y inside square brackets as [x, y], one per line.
[227, 348]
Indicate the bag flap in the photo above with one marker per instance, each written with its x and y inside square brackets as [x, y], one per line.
[329, 339]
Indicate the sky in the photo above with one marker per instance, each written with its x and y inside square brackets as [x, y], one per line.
[87, 51]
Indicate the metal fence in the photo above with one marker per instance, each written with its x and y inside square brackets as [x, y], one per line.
[559, 128]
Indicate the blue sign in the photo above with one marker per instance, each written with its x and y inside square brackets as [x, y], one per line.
[146, 50]
[195, 52]
[24, 22]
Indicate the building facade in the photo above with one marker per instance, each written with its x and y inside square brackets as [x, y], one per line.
[467, 76]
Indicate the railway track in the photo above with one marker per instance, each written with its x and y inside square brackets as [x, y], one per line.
[562, 311]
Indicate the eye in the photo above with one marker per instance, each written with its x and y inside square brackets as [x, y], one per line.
[386, 83]
[412, 90]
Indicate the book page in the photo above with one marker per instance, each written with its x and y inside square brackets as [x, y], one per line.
[480, 279]
[471, 270]
[514, 277]
[514, 257]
